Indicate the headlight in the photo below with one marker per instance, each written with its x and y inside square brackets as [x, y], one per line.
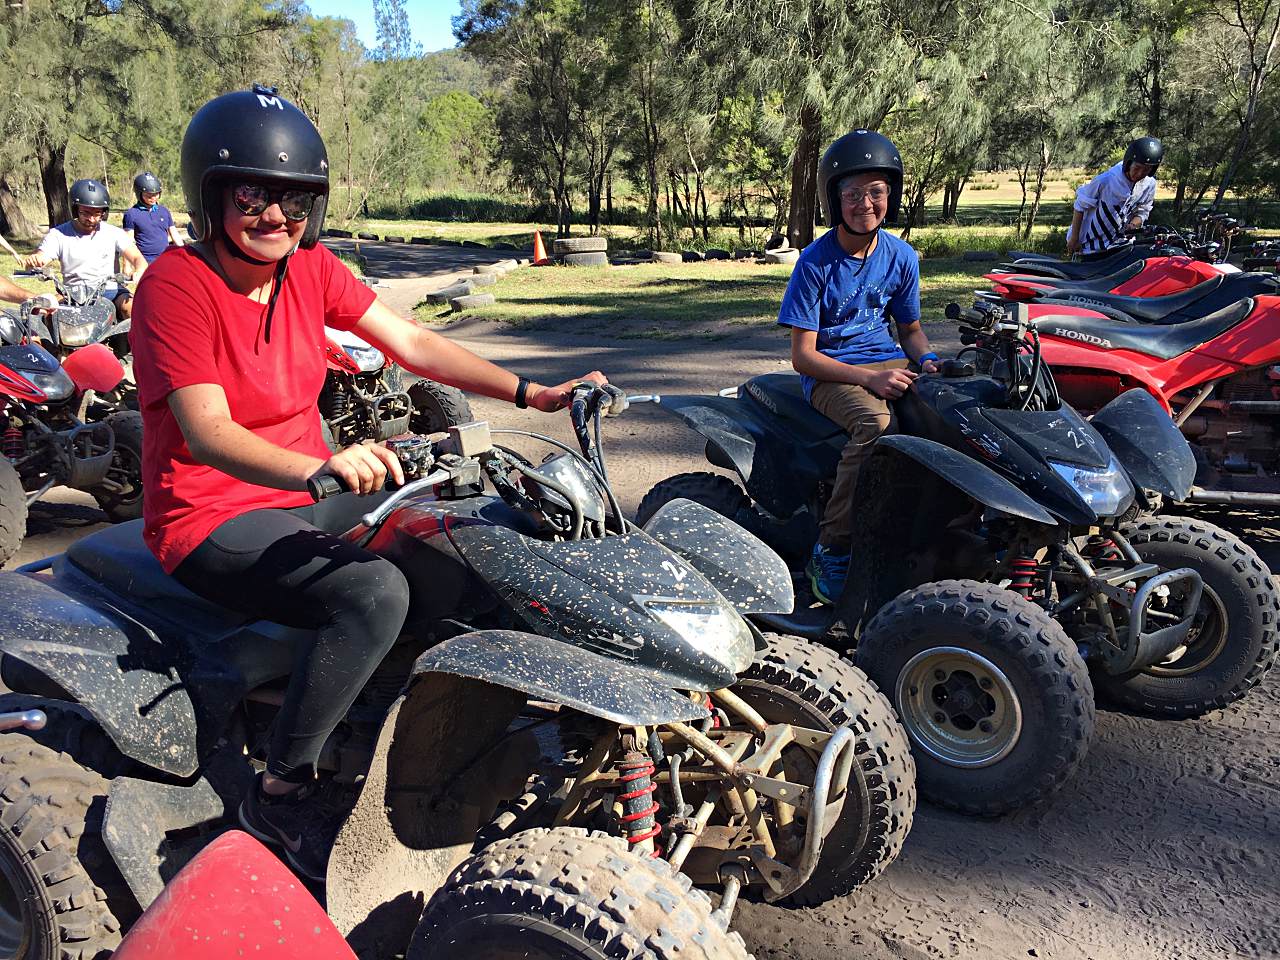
[56, 386]
[368, 359]
[77, 334]
[1107, 492]
[716, 630]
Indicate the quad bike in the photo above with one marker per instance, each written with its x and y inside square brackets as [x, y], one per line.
[81, 317]
[1216, 374]
[577, 723]
[1148, 277]
[1000, 545]
[45, 440]
[363, 399]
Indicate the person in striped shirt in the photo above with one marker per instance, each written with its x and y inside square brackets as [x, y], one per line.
[1119, 199]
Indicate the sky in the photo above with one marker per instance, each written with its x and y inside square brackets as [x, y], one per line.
[429, 19]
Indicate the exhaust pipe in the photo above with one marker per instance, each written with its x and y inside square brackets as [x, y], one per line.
[1240, 497]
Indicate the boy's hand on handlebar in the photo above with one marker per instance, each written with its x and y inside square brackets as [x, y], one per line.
[891, 384]
[364, 467]
[551, 399]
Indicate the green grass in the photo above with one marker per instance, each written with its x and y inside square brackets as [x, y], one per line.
[658, 301]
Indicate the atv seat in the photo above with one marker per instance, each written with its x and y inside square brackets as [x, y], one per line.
[117, 558]
[1150, 309]
[1077, 270]
[1101, 284]
[783, 395]
[1165, 341]
[1219, 293]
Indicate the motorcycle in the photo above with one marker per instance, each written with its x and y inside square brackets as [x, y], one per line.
[577, 723]
[363, 399]
[998, 533]
[45, 440]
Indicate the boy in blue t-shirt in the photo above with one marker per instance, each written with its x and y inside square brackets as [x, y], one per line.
[845, 287]
[149, 222]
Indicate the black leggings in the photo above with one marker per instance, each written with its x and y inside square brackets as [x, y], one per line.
[287, 566]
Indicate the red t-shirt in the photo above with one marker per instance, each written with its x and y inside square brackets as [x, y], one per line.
[189, 328]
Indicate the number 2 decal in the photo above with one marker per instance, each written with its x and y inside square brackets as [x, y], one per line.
[675, 571]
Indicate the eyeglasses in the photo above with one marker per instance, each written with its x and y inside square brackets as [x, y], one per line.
[856, 195]
[251, 199]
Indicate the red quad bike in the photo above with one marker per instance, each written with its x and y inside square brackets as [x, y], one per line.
[1217, 374]
[363, 399]
[44, 441]
[1153, 276]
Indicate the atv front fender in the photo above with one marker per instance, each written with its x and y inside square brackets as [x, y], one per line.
[1147, 443]
[967, 475]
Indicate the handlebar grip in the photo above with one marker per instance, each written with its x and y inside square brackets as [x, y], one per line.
[325, 485]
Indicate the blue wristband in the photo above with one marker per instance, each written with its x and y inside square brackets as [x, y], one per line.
[930, 356]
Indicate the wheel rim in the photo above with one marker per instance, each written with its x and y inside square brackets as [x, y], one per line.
[1210, 628]
[15, 917]
[959, 707]
[126, 470]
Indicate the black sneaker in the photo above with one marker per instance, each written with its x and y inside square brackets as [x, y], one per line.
[304, 823]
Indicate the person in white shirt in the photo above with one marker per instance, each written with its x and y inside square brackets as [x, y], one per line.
[86, 246]
[1117, 200]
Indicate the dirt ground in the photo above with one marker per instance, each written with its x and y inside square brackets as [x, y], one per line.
[1164, 847]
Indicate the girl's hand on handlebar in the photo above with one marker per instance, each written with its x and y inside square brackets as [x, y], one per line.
[551, 399]
[364, 467]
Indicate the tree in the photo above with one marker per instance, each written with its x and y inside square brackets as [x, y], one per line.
[1256, 27]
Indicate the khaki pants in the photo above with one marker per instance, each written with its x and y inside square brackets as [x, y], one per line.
[866, 417]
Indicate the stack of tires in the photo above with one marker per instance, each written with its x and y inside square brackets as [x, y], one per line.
[581, 251]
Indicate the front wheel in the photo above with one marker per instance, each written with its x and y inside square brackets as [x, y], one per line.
[121, 498]
[994, 695]
[1233, 641]
[569, 894]
[797, 682]
[712, 490]
[13, 511]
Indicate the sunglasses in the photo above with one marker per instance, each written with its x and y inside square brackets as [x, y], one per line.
[856, 195]
[251, 199]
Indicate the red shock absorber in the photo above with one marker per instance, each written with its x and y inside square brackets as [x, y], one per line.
[638, 806]
[1025, 570]
[11, 443]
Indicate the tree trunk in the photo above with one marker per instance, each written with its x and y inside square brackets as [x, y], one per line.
[53, 179]
[804, 178]
[1035, 203]
[608, 198]
[13, 222]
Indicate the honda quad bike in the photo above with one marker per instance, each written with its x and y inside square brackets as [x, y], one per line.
[1149, 277]
[1000, 545]
[363, 396]
[1217, 374]
[81, 317]
[44, 439]
[577, 723]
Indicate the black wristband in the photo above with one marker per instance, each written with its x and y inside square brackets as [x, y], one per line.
[521, 387]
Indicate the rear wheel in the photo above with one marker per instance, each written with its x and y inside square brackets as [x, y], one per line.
[797, 682]
[993, 693]
[13, 511]
[569, 894]
[1234, 640]
[122, 500]
[713, 490]
[437, 407]
[53, 864]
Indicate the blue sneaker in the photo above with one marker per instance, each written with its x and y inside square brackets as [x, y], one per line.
[828, 569]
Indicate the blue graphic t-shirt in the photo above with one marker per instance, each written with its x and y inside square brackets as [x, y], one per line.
[849, 300]
[150, 228]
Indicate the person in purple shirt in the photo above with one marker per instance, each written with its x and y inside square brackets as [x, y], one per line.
[149, 222]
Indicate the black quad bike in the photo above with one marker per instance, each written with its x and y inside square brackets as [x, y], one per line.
[577, 725]
[1000, 546]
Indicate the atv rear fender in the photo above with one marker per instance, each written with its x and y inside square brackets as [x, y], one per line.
[1147, 443]
[444, 760]
[745, 438]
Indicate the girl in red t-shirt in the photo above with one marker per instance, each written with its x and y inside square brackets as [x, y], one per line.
[228, 340]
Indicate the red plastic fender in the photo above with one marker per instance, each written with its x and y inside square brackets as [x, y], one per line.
[234, 899]
[336, 358]
[94, 367]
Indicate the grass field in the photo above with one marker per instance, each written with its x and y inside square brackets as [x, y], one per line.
[658, 301]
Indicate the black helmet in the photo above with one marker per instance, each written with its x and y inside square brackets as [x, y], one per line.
[862, 151]
[146, 182]
[88, 193]
[1143, 150]
[256, 135]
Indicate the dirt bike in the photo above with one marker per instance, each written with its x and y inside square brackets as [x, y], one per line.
[45, 440]
[576, 724]
[363, 399]
[1001, 544]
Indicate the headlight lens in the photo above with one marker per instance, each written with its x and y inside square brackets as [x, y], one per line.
[56, 386]
[1107, 492]
[716, 630]
[76, 334]
[368, 359]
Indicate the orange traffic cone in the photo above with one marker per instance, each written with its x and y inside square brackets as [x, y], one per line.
[540, 257]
